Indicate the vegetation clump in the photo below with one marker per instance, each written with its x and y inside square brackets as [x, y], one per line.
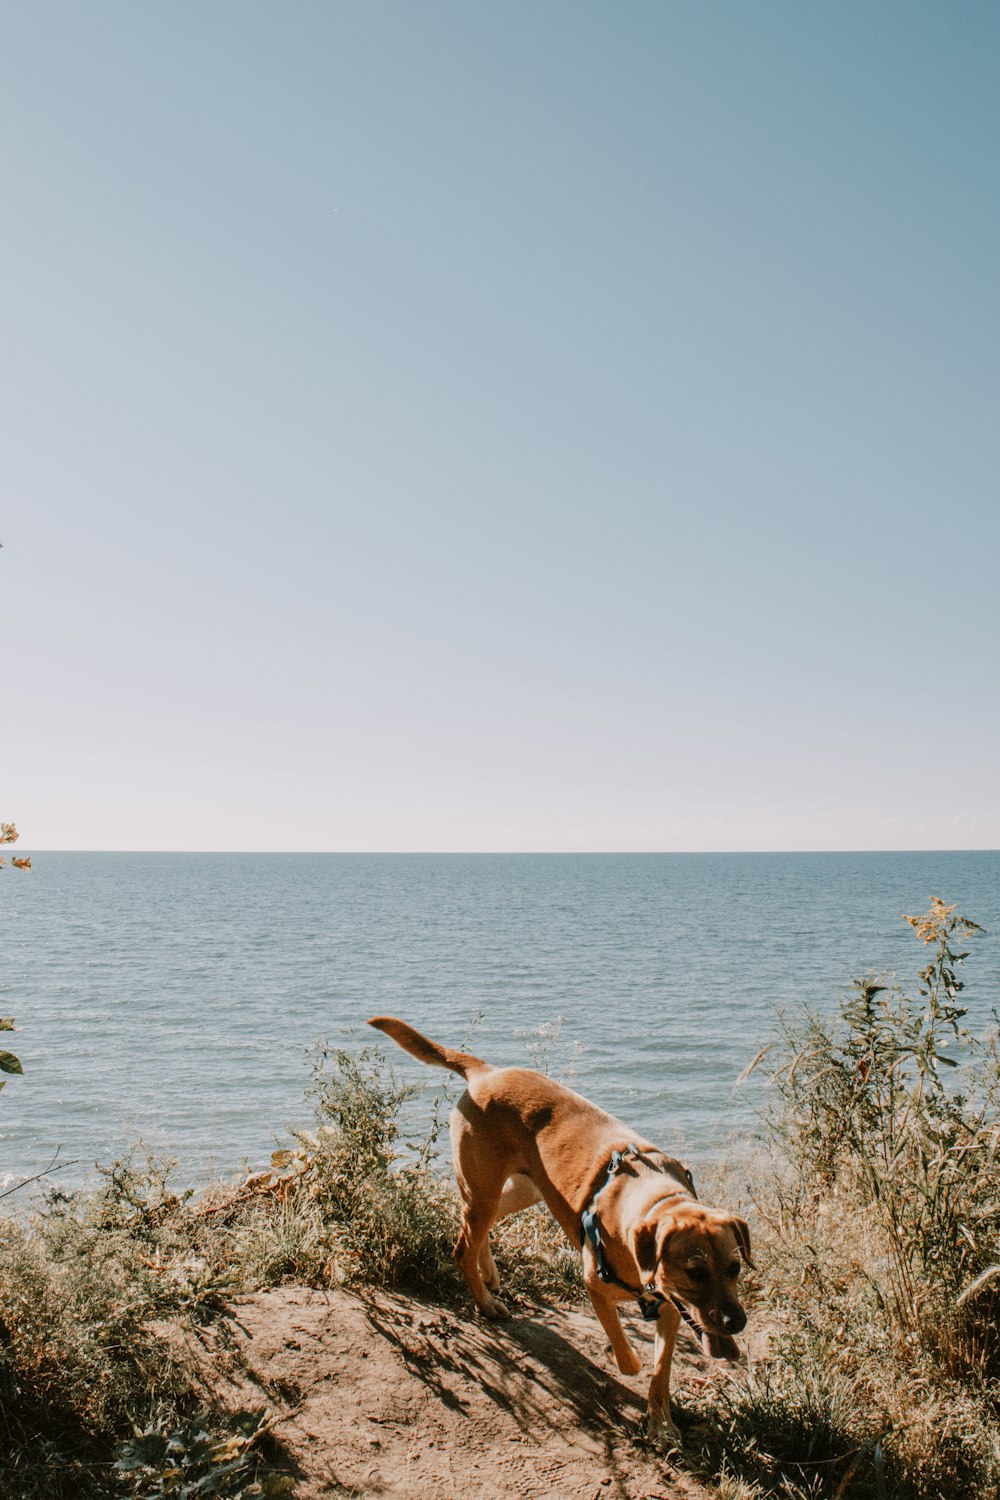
[879, 1234]
[9, 1062]
[10, 835]
[102, 1315]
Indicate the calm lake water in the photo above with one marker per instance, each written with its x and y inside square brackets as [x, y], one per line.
[172, 998]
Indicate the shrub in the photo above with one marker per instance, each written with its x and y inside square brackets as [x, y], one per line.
[879, 1211]
[84, 1360]
[873, 1129]
[395, 1220]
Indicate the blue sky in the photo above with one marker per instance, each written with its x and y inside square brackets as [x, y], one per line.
[527, 426]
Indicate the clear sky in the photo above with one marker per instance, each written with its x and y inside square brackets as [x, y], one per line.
[500, 426]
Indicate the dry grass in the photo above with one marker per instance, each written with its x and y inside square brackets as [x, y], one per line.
[877, 1231]
[80, 1360]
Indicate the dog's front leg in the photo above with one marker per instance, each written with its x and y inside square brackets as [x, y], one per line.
[662, 1431]
[603, 1304]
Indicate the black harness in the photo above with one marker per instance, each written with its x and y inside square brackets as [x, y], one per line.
[648, 1298]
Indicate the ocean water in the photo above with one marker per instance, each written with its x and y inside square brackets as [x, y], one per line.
[172, 998]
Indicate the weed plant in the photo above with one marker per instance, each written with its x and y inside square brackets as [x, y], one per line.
[878, 1234]
[102, 1308]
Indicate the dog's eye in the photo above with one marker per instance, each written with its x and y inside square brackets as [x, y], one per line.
[734, 1269]
[698, 1273]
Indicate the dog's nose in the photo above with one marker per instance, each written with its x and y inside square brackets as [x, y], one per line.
[734, 1322]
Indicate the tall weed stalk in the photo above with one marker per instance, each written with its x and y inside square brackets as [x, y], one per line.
[878, 1235]
[890, 1111]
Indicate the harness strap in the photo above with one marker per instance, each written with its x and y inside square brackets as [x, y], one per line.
[649, 1299]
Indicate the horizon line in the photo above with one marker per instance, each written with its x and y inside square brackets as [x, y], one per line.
[525, 853]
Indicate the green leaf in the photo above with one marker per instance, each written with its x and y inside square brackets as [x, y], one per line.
[9, 1063]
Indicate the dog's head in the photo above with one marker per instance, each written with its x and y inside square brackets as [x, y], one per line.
[696, 1253]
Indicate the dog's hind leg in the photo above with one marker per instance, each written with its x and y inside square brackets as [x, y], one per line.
[482, 1168]
[488, 1267]
[518, 1192]
[473, 1254]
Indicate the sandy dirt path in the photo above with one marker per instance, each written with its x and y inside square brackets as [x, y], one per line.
[384, 1395]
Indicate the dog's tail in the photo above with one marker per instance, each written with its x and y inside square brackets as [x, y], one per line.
[428, 1052]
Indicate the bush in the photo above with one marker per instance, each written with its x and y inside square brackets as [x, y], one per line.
[880, 1216]
[872, 1129]
[87, 1289]
[395, 1221]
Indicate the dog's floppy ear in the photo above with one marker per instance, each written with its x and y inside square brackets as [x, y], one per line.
[742, 1234]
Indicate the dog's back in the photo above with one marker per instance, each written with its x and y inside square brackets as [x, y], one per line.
[525, 1108]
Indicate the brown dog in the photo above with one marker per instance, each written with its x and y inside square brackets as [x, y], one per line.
[518, 1138]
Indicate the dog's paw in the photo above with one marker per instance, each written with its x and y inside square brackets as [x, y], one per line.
[628, 1361]
[494, 1309]
[662, 1433]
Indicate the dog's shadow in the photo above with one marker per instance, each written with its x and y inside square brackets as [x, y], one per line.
[531, 1365]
